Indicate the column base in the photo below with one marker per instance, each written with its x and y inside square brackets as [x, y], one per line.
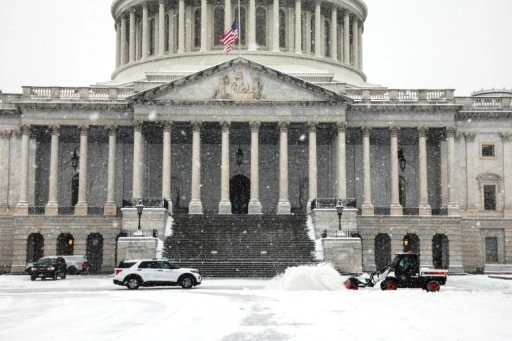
[81, 208]
[472, 212]
[21, 209]
[51, 209]
[254, 207]
[367, 209]
[225, 207]
[195, 207]
[453, 210]
[396, 210]
[110, 209]
[425, 210]
[5, 211]
[284, 207]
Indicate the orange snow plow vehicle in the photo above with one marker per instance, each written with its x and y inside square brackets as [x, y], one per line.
[403, 272]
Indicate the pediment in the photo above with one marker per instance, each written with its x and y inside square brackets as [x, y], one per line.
[238, 80]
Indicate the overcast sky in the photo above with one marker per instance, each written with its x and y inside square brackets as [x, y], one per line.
[461, 44]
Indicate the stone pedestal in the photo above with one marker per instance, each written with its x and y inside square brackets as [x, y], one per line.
[345, 254]
[110, 209]
[136, 248]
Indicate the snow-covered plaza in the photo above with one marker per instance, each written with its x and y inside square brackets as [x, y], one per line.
[304, 304]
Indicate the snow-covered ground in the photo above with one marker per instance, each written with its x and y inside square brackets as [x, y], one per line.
[308, 303]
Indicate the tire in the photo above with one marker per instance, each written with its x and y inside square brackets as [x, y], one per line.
[433, 286]
[133, 283]
[33, 278]
[72, 270]
[187, 282]
[388, 284]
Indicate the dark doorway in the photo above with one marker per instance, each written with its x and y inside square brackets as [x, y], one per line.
[239, 194]
[65, 244]
[412, 243]
[440, 251]
[382, 250]
[94, 251]
[491, 249]
[35, 247]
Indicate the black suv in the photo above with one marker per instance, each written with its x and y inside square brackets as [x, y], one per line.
[52, 267]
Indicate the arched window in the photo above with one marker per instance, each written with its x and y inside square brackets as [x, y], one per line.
[218, 25]
[35, 247]
[261, 27]
[282, 29]
[197, 28]
[65, 244]
[440, 251]
[243, 24]
[382, 250]
[411, 243]
[327, 39]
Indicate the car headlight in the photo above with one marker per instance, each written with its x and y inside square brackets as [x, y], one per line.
[51, 268]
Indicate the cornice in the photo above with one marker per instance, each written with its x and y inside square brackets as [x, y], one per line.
[393, 107]
[484, 114]
[101, 106]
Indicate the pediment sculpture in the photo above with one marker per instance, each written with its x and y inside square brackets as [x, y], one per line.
[236, 88]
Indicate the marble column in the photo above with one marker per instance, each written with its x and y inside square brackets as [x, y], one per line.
[22, 206]
[298, 26]
[181, 26]
[360, 47]
[424, 207]
[507, 174]
[254, 201]
[367, 206]
[472, 154]
[283, 207]
[334, 34]
[355, 42]
[346, 37]
[275, 26]
[118, 45]
[110, 208]
[227, 15]
[225, 203]
[341, 166]
[395, 209]
[131, 54]
[5, 147]
[204, 26]
[81, 205]
[145, 31]
[52, 207]
[167, 164]
[123, 40]
[318, 29]
[453, 206]
[313, 167]
[252, 26]
[161, 27]
[137, 161]
[196, 206]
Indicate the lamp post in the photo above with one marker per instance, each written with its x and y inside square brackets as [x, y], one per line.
[339, 209]
[139, 207]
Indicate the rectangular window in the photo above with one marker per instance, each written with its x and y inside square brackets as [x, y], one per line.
[491, 250]
[488, 150]
[489, 197]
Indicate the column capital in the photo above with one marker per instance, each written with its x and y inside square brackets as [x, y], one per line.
[137, 126]
[450, 132]
[422, 131]
[25, 129]
[470, 137]
[394, 131]
[196, 125]
[167, 126]
[5, 133]
[312, 126]
[84, 129]
[255, 126]
[366, 130]
[283, 126]
[111, 129]
[225, 125]
[341, 126]
[55, 129]
[506, 137]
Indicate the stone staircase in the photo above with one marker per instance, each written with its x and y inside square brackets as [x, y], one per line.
[239, 245]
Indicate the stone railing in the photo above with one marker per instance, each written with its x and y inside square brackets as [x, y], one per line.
[78, 93]
[486, 103]
[401, 95]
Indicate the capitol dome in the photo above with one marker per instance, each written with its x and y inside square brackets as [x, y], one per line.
[161, 40]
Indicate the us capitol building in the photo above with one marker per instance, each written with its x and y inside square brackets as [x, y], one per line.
[285, 126]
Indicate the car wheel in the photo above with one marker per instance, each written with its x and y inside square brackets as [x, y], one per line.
[33, 278]
[72, 270]
[388, 285]
[187, 282]
[133, 283]
[433, 286]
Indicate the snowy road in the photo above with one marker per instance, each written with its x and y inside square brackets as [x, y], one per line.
[92, 308]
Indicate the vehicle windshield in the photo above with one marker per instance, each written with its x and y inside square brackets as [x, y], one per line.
[44, 261]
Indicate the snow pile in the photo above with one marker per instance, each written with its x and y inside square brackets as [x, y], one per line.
[308, 277]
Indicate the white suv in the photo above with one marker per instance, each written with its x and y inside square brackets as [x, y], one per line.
[154, 272]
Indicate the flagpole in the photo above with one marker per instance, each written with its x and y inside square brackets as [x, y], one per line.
[239, 32]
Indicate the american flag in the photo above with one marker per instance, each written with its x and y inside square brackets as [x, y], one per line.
[228, 39]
